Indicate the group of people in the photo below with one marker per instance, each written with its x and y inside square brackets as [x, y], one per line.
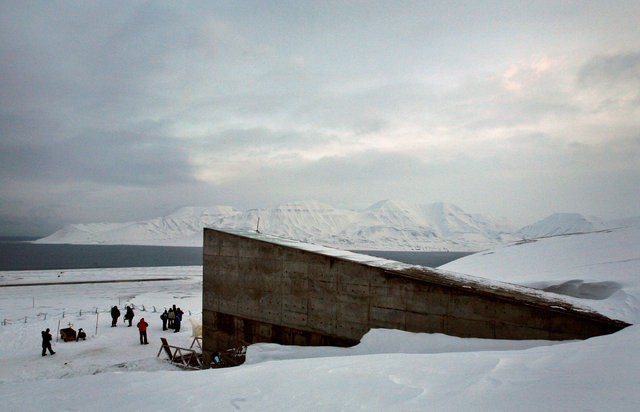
[128, 317]
[172, 318]
[115, 314]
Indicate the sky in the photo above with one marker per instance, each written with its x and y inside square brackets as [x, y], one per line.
[125, 110]
[389, 370]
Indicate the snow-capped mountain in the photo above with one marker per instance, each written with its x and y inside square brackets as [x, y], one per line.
[560, 224]
[385, 225]
[183, 227]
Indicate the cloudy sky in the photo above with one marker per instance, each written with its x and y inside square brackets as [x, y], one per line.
[126, 110]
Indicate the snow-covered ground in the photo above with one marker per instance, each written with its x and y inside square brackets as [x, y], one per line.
[388, 370]
[601, 269]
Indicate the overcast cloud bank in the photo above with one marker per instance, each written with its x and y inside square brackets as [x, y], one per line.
[124, 111]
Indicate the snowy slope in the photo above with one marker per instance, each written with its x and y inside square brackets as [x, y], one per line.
[560, 224]
[601, 269]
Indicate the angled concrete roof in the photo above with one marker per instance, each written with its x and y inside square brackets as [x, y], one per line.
[477, 285]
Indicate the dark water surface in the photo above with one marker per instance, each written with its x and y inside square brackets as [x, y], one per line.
[16, 255]
[30, 256]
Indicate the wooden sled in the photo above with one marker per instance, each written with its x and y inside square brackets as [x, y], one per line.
[197, 341]
[68, 334]
[184, 357]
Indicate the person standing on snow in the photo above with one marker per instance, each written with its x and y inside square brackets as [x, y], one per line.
[176, 322]
[46, 342]
[171, 315]
[115, 314]
[164, 318]
[142, 327]
[128, 315]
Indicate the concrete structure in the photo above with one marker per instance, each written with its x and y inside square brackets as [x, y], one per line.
[259, 288]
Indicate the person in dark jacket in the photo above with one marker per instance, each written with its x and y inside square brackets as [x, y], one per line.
[128, 315]
[178, 319]
[46, 342]
[142, 327]
[164, 318]
[115, 314]
[81, 335]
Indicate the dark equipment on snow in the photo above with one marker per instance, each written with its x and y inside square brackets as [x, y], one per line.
[68, 334]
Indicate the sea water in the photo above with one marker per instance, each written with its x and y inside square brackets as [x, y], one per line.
[21, 255]
[32, 256]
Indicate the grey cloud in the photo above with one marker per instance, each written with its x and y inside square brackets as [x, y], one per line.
[29, 127]
[615, 77]
[263, 140]
[367, 109]
[613, 69]
[103, 62]
[361, 178]
[257, 145]
[121, 158]
[38, 221]
[125, 159]
[619, 156]
[103, 105]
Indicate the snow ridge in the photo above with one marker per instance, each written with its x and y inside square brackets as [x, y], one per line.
[560, 224]
[385, 225]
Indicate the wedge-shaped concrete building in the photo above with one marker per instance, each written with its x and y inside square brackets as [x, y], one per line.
[259, 288]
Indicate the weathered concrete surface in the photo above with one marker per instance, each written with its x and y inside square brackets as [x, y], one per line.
[261, 289]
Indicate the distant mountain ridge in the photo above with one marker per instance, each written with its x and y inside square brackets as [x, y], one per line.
[560, 224]
[385, 225]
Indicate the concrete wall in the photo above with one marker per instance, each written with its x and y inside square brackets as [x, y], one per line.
[255, 290]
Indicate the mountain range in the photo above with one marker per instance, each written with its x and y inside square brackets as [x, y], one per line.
[385, 225]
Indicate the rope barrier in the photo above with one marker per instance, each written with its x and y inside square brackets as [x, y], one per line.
[42, 316]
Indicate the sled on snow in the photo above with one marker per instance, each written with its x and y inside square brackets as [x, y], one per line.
[68, 334]
[183, 357]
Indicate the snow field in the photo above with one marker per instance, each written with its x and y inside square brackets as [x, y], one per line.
[389, 370]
